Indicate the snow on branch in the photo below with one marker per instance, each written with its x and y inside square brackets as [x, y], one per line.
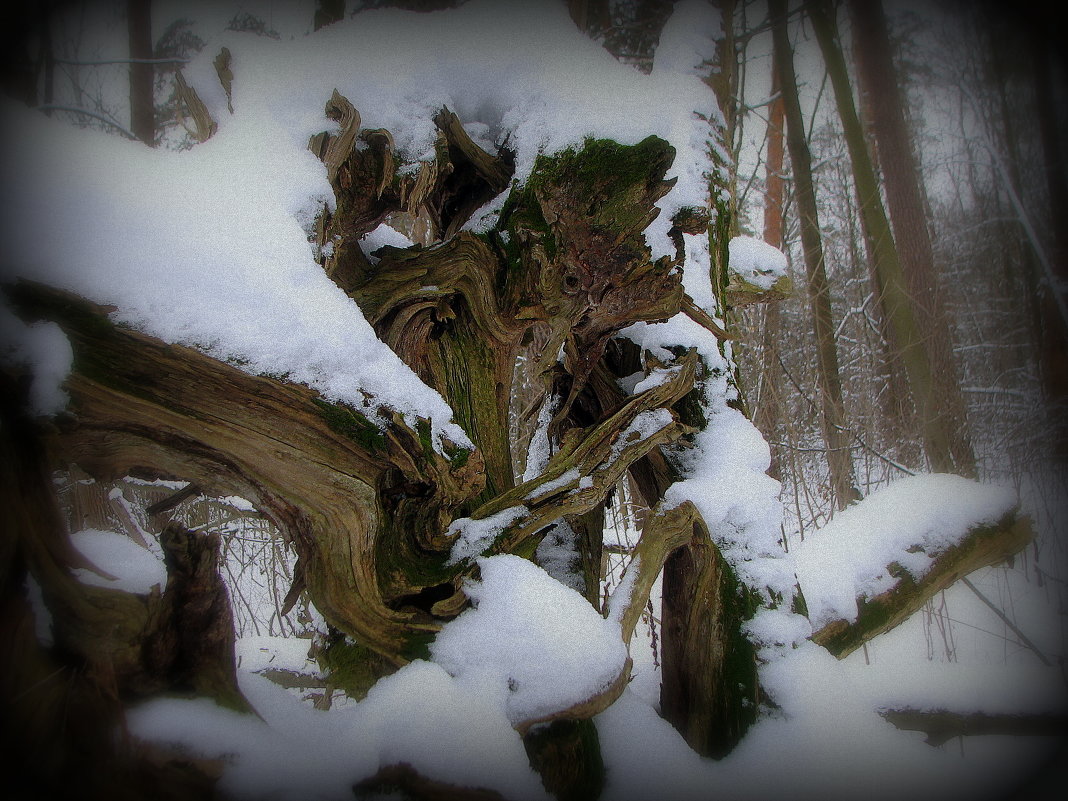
[880, 560]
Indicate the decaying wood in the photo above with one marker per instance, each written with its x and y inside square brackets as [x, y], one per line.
[204, 127]
[981, 547]
[63, 703]
[332, 150]
[940, 725]
[740, 292]
[663, 532]
[221, 62]
[172, 500]
[189, 638]
[710, 691]
[321, 472]
[567, 756]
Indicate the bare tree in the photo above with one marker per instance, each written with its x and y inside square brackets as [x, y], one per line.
[835, 428]
[941, 407]
[142, 103]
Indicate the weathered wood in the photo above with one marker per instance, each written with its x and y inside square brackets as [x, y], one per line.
[168, 503]
[204, 127]
[189, 639]
[370, 187]
[709, 690]
[222, 63]
[709, 686]
[583, 710]
[587, 466]
[663, 532]
[567, 756]
[368, 508]
[62, 703]
[321, 472]
[982, 547]
[475, 177]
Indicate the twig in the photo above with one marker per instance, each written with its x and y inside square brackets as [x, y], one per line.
[86, 112]
[107, 61]
[1004, 618]
[173, 500]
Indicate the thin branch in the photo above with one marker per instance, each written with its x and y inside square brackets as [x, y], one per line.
[86, 112]
[108, 61]
[1005, 619]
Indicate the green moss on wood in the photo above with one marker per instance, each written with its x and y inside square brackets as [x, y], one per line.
[457, 455]
[350, 423]
[351, 667]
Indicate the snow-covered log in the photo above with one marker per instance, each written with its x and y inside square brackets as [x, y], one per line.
[879, 561]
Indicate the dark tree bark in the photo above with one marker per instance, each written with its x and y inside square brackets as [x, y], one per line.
[142, 103]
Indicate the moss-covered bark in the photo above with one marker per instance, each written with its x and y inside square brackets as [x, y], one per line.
[981, 547]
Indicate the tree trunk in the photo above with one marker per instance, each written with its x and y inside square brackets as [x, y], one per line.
[908, 338]
[941, 408]
[836, 433]
[768, 413]
[142, 103]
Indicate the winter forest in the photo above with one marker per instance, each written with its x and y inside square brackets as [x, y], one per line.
[498, 399]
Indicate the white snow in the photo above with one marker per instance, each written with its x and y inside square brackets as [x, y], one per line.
[620, 598]
[42, 617]
[383, 236]
[283, 653]
[529, 647]
[848, 557]
[644, 425]
[725, 472]
[45, 350]
[529, 641]
[135, 569]
[756, 261]
[202, 248]
[550, 487]
[477, 535]
[540, 448]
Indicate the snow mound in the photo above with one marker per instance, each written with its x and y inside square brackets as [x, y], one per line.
[532, 642]
[759, 263]
[135, 569]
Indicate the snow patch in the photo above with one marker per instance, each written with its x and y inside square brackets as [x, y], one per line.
[135, 569]
[477, 535]
[759, 263]
[46, 351]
